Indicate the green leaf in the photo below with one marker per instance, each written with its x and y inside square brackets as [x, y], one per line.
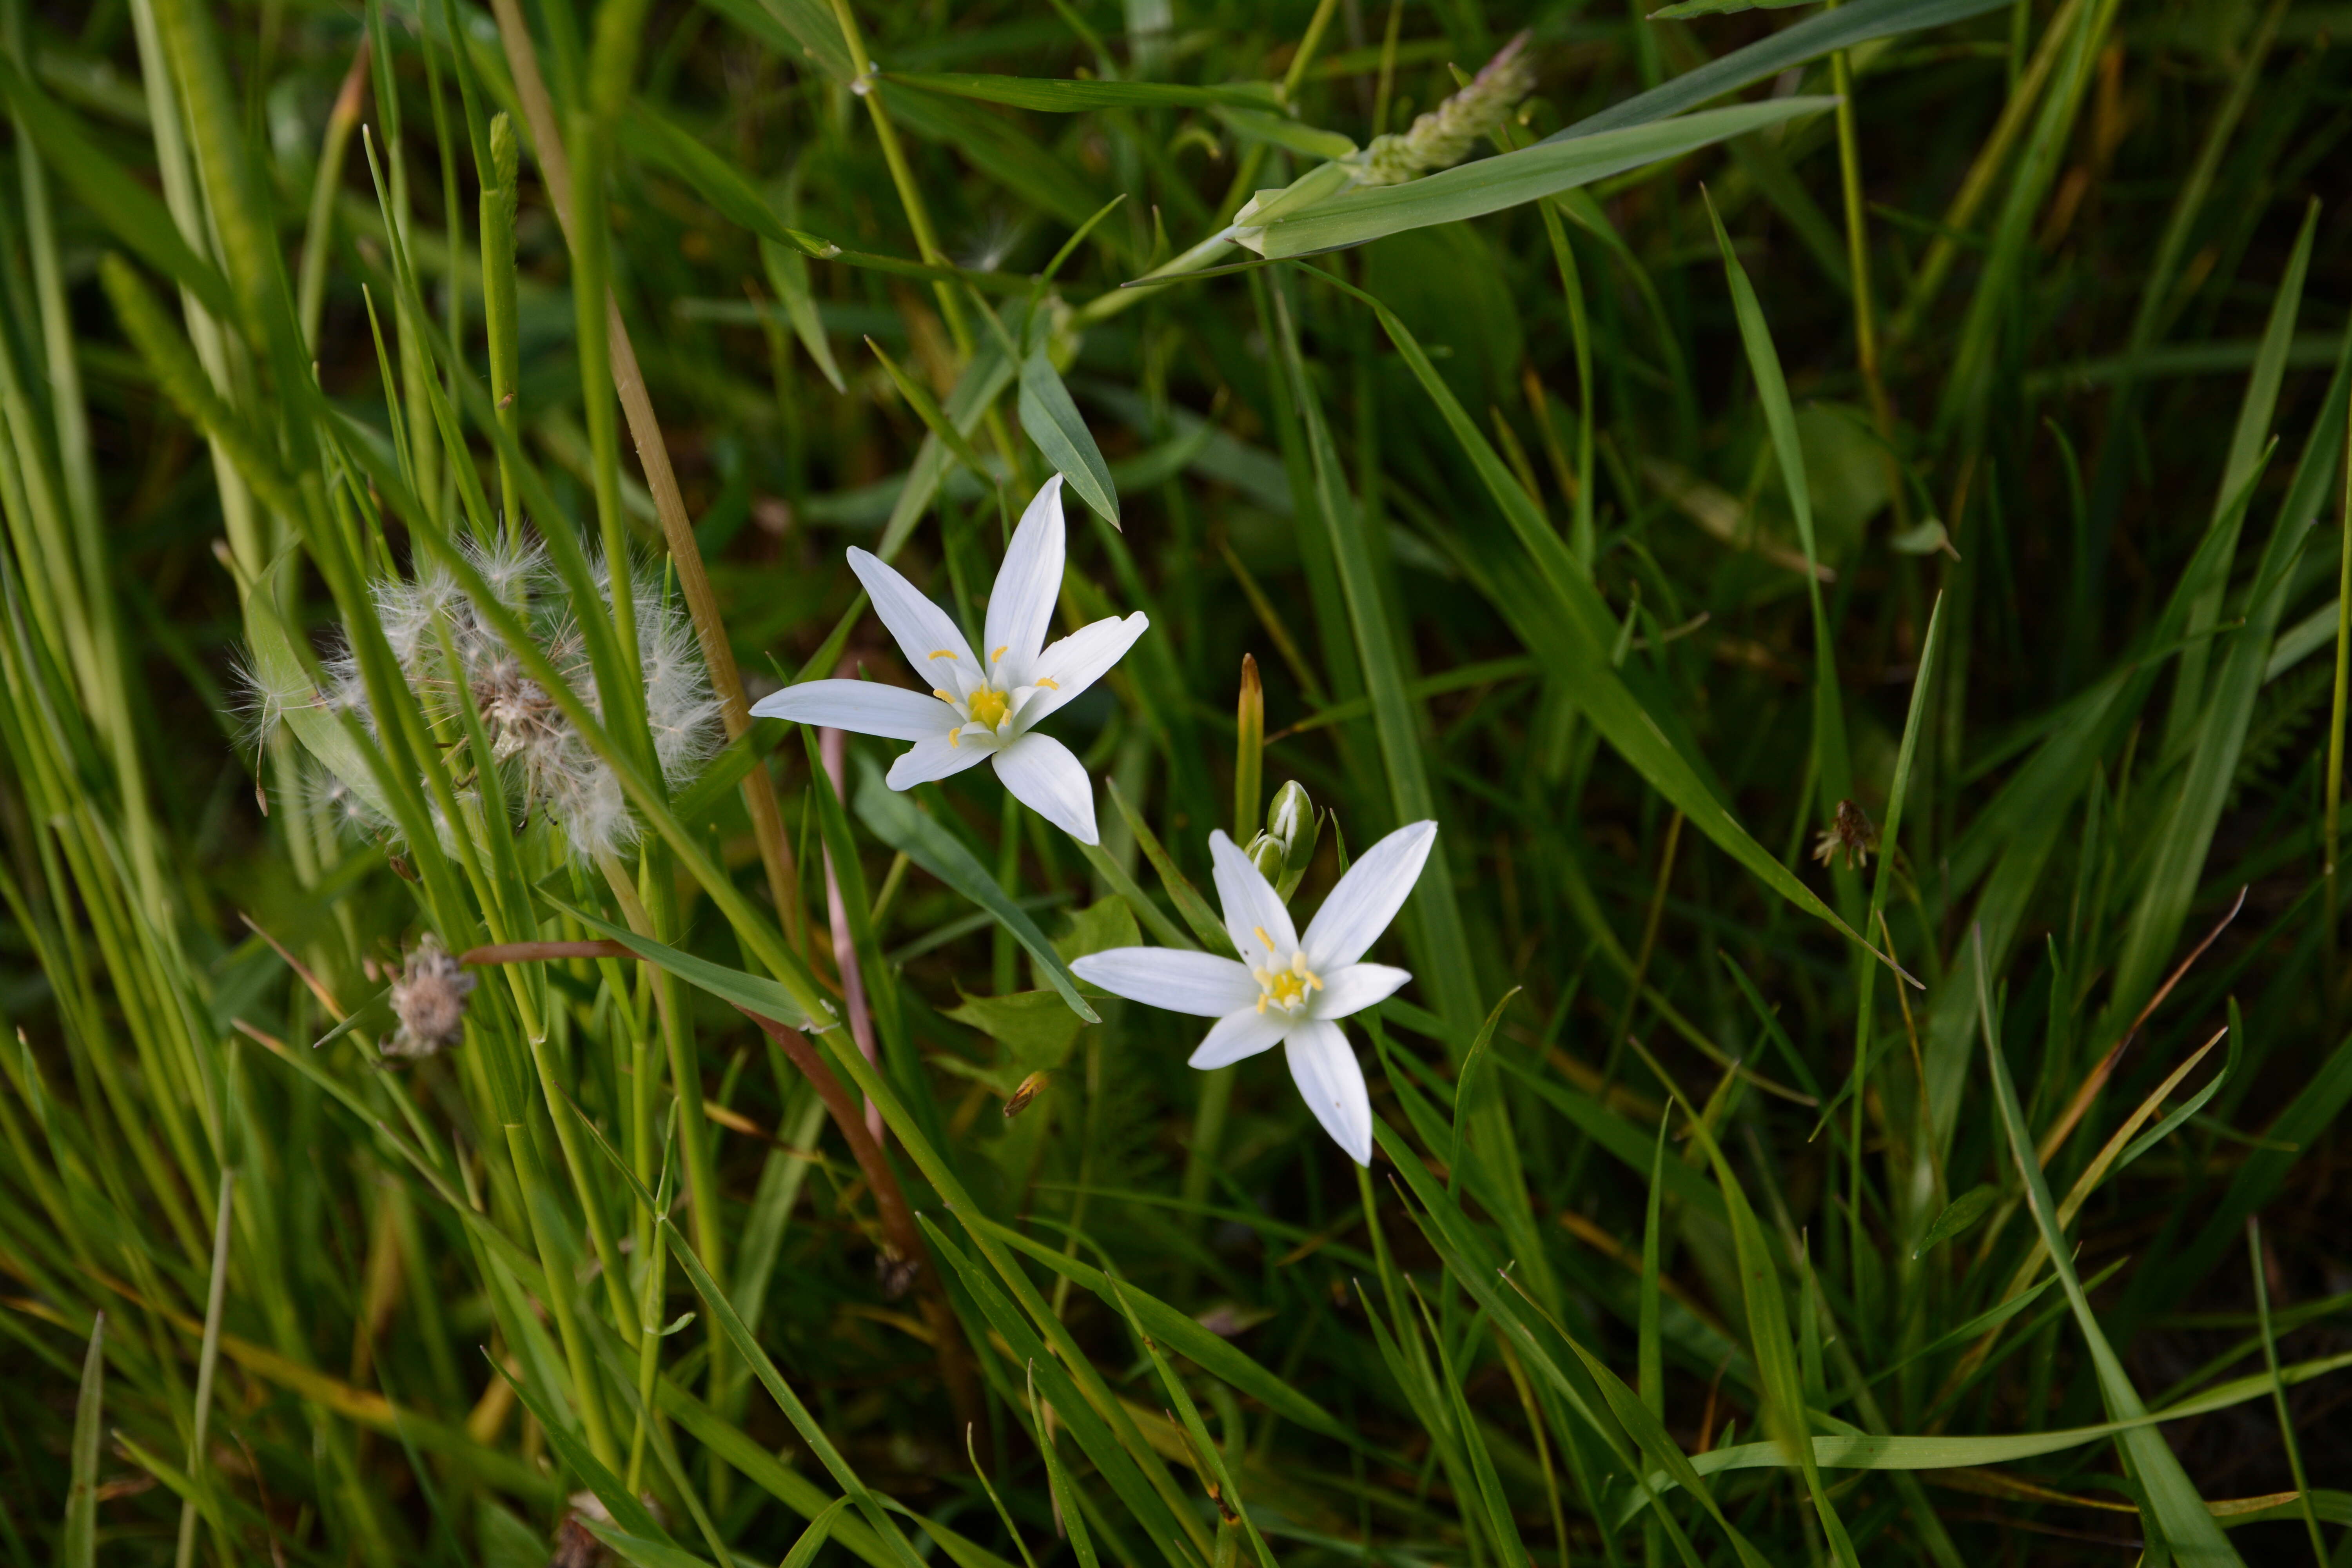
[1508, 180]
[1053, 421]
[1570, 630]
[1721, 8]
[975, 392]
[1036, 1027]
[1280, 131]
[127, 208]
[787, 270]
[2172, 1508]
[757, 992]
[1204, 920]
[77, 1545]
[1184, 1334]
[1815, 35]
[1051, 96]
[642, 1552]
[718, 181]
[1099, 927]
[1958, 1214]
[280, 671]
[813, 1539]
[894, 820]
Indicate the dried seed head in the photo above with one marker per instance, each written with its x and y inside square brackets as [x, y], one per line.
[1444, 136]
[540, 768]
[1851, 832]
[430, 999]
[896, 1272]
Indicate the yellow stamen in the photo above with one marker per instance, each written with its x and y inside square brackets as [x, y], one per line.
[1261, 1004]
[941, 694]
[1048, 680]
[998, 654]
[1259, 931]
[953, 743]
[941, 653]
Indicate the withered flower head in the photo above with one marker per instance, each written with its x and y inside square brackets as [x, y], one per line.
[1851, 832]
[430, 999]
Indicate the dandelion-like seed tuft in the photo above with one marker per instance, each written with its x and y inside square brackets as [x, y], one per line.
[1444, 136]
[429, 998]
[541, 770]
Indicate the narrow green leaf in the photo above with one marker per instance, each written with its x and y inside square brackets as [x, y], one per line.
[638, 1550]
[786, 266]
[1051, 96]
[127, 208]
[1203, 920]
[1958, 1214]
[757, 992]
[1053, 422]
[1842, 28]
[1575, 634]
[78, 1546]
[813, 1539]
[2173, 1508]
[893, 820]
[1508, 179]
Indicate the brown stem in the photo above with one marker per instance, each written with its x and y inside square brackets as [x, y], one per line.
[833, 745]
[661, 480]
[533, 951]
[898, 1227]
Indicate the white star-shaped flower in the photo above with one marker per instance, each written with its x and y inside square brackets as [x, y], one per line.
[1289, 990]
[980, 709]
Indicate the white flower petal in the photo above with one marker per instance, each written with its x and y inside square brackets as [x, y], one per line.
[933, 758]
[921, 628]
[1021, 605]
[1251, 905]
[1044, 776]
[1200, 983]
[1368, 897]
[867, 707]
[1078, 661]
[1357, 987]
[1242, 1033]
[1333, 1085]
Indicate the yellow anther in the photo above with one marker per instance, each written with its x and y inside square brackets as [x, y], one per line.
[1048, 680]
[941, 694]
[998, 654]
[1259, 931]
[942, 653]
[954, 744]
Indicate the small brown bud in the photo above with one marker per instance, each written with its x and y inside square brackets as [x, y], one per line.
[1031, 1086]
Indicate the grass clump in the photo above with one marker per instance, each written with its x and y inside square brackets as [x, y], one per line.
[1776, 579]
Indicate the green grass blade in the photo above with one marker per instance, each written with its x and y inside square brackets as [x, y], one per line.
[1508, 180]
[2175, 1510]
[894, 819]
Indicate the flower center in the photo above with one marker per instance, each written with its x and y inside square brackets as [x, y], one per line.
[990, 707]
[1287, 986]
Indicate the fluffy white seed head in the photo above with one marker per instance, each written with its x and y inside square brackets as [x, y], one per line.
[540, 769]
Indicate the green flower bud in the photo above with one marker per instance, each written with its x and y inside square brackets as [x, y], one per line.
[1290, 822]
[1266, 852]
